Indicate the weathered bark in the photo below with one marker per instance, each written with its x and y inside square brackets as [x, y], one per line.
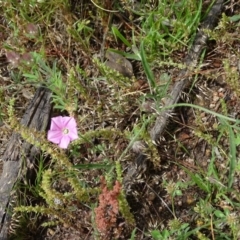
[36, 117]
[190, 61]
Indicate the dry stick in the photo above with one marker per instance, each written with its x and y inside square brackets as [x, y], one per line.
[191, 61]
[36, 117]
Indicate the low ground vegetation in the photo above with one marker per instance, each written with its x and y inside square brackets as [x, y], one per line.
[110, 65]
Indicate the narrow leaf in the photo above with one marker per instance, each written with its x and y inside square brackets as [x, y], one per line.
[232, 163]
[147, 69]
[117, 34]
[197, 179]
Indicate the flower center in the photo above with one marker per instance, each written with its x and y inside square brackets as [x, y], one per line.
[65, 131]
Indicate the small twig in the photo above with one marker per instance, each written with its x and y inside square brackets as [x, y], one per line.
[162, 201]
[104, 38]
[106, 10]
[212, 230]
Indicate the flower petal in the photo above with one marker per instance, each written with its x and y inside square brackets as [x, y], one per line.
[56, 123]
[73, 134]
[54, 136]
[69, 122]
[65, 140]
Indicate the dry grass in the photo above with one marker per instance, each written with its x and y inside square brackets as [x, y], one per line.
[184, 188]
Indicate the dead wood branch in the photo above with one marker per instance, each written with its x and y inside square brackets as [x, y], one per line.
[190, 61]
[36, 117]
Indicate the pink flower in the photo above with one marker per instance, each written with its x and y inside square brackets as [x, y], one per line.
[62, 131]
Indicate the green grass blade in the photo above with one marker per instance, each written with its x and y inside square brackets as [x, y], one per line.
[205, 110]
[126, 55]
[133, 234]
[117, 34]
[232, 163]
[147, 69]
[197, 16]
[198, 180]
